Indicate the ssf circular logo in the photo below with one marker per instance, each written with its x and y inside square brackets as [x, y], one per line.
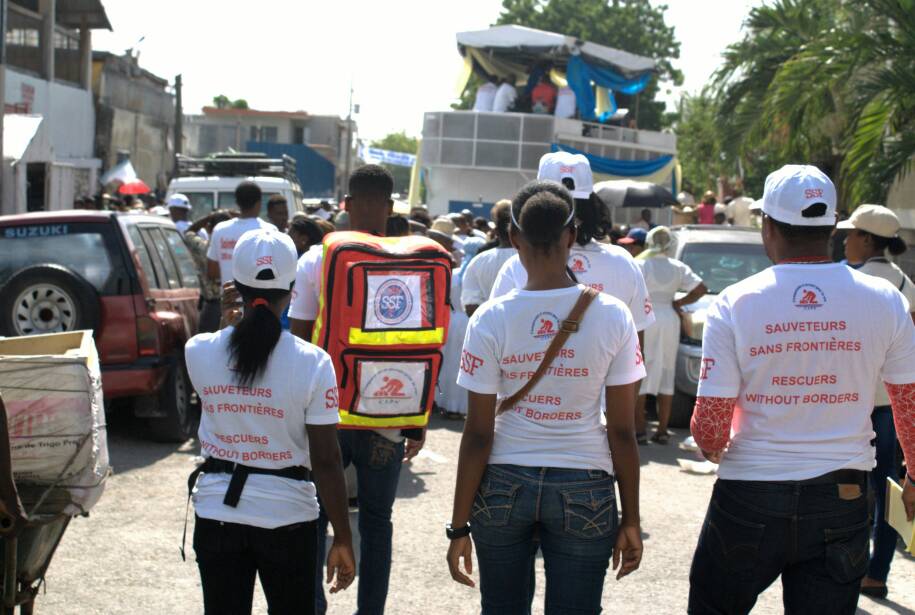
[393, 302]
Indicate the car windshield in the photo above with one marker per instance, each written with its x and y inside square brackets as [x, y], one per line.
[722, 264]
[202, 204]
[227, 201]
[79, 247]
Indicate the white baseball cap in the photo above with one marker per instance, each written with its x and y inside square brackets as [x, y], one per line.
[179, 201]
[874, 219]
[264, 258]
[794, 188]
[557, 166]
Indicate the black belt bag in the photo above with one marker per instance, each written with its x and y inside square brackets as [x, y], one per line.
[240, 475]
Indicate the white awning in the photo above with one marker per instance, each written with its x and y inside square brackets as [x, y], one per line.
[19, 132]
[525, 42]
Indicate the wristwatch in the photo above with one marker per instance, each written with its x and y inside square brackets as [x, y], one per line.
[455, 533]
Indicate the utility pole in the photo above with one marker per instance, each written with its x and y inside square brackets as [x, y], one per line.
[179, 123]
[349, 139]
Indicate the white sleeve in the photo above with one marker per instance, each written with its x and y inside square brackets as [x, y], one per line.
[505, 281]
[899, 367]
[471, 291]
[688, 279]
[719, 374]
[627, 365]
[480, 371]
[213, 248]
[323, 406]
[305, 291]
[640, 303]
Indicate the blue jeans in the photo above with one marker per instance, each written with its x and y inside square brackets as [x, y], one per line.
[884, 536]
[574, 512]
[814, 536]
[377, 461]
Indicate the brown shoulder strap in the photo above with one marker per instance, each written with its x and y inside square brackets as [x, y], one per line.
[567, 328]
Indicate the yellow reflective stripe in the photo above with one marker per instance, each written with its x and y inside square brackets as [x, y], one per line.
[396, 338]
[381, 422]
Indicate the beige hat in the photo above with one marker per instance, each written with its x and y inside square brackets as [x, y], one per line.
[444, 225]
[874, 219]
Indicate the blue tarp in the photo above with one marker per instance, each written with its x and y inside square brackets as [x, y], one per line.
[581, 75]
[315, 172]
[621, 168]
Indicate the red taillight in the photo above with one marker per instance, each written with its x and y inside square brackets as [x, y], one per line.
[147, 337]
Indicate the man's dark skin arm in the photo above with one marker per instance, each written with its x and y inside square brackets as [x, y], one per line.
[470, 309]
[302, 329]
[327, 471]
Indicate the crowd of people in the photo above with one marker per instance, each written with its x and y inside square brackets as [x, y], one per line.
[561, 326]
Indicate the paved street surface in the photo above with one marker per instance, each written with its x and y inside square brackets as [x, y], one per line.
[124, 558]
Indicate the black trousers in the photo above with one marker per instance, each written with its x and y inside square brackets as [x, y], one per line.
[231, 555]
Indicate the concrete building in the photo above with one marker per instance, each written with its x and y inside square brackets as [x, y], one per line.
[134, 113]
[216, 130]
[49, 154]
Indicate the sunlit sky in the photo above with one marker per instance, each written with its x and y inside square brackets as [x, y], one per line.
[400, 55]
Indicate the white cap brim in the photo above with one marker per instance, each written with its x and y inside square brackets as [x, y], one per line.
[845, 225]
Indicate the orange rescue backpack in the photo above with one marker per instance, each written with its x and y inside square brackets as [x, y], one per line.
[383, 318]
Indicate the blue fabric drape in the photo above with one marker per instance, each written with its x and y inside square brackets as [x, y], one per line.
[580, 74]
[621, 168]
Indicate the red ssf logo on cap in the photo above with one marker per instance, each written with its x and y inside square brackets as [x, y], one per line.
[813, 193]
[263, 260]
[565, 169]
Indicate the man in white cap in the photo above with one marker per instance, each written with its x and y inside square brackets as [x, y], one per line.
[790, 357]
[179, 210]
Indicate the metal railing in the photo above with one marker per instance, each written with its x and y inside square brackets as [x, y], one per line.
[516, 141]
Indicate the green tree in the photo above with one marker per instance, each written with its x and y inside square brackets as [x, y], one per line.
[699, 147]
[635, 26]
[224, 102]
[399, 142]
[829, 82]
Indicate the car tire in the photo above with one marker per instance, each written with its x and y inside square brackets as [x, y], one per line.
[681, 410]
[175, 400]
[47, 298]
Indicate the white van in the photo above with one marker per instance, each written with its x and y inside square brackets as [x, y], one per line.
[208, 192]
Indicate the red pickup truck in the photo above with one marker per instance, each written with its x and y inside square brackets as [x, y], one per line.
[128, 277]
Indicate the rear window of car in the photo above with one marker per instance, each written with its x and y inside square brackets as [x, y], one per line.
[88, 249]
[722, 264]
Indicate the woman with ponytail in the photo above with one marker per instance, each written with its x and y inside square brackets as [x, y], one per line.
[268, 435]
[534, 457]
[873, 231]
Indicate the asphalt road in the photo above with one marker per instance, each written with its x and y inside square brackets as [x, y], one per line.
[124, 558]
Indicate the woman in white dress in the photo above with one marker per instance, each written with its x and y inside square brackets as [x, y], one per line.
[664, 277]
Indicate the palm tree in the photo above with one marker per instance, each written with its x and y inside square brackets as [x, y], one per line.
[826, 82]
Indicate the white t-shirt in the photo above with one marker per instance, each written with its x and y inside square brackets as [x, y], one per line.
[738, 210]
[565, 103]
[261, 426]
[604, 267]
[306, 295]
[882, 268]
[486, 94]
[225, 236]
[480, 275]
[800, 347]
[558, 424]
[505, 98]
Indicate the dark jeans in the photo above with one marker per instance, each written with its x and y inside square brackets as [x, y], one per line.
[231, 555]
[574, 512]
[377, 461]
[884, 536]
[755, 531]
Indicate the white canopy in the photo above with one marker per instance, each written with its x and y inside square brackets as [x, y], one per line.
[518, 43]
[24, 138]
